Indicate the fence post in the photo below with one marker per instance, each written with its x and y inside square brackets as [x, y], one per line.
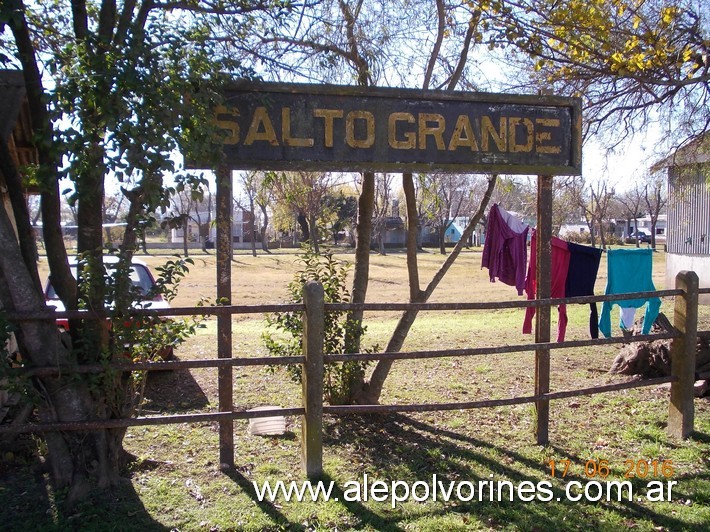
[225, 374]
[681, 412]
[312, 380]
[544, 291]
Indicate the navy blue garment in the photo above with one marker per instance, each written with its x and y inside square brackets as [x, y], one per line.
[581, 276]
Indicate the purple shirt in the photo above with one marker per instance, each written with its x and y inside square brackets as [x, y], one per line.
[505, 251]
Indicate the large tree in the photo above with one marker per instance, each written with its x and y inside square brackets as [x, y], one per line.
[633, 62]
[303, 193]
[655, 197]
[258, 194]
[445, 197]
[343, 205]
[190, 199]
[382, 208]
[424, 44]
[631, 202]
[457, 30]
[112, 89]
[595, 201]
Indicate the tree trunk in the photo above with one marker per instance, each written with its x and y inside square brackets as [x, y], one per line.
[109, 237]
[65, 398]
[62, 278]
[602, 235]
[315, 237]
[653, 233]
[264, 227]
[25, 234]
[184, 238]
[92, 334]
[366, 206]
[412, 235]
[252, 229]
[370, 393]
[442, 239]
[303, 224]
[143, 243]
[204, 235]
[128, 246]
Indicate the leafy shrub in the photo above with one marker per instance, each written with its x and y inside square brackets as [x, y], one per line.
[339, 378]
[578, 237]
[613, 240]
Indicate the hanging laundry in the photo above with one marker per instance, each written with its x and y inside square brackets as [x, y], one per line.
[627, 316]
[505, 252]
[630, 270]
[560, 268]
[582, 275]
[512, 221]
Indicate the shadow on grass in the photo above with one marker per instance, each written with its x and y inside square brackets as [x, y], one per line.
[365, 515]
[267, 507]
[361, 512]
[700, 437]
[173, 391]
[28, 501]
[398, 447]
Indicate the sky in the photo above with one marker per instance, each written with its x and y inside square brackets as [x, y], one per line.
[625, 164]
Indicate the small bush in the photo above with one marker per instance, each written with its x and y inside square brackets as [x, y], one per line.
[613, 240]
[339, 377]
[578, 237]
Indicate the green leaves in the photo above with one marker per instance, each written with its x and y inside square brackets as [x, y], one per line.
[287, 327]
[629, 60]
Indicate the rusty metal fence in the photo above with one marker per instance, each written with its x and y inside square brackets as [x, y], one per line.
[683, 375]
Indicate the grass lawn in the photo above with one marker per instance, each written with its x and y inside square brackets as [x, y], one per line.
[175, 483]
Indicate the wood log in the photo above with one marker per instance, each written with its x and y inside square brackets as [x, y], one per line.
[653, 359]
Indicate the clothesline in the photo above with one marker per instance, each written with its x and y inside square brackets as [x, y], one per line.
[574, 270]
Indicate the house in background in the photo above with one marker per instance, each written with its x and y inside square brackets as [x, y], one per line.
[459, 225]
[572, 228]
[391, 230]
[243, 228]
[644, 225]
[688, 234]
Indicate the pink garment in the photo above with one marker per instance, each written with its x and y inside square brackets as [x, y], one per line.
[505, 252]
[560, 267]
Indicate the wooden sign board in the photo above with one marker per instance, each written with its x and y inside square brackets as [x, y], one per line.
[325, 127]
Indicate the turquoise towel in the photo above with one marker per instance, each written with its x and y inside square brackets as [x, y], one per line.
[629, 270]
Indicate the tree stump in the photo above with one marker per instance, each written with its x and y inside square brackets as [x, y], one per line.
[649, 360]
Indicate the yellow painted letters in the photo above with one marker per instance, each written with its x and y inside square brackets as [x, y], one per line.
[261, 120]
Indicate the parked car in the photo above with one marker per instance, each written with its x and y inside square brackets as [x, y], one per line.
[642, 237]
[143, 284]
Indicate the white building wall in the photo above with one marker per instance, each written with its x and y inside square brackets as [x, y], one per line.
[700, 264]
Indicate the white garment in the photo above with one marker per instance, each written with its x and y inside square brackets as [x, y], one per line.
[512, 221]
[627, 317]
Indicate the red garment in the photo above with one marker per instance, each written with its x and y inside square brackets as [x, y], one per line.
[505, 251]
[560, 267]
